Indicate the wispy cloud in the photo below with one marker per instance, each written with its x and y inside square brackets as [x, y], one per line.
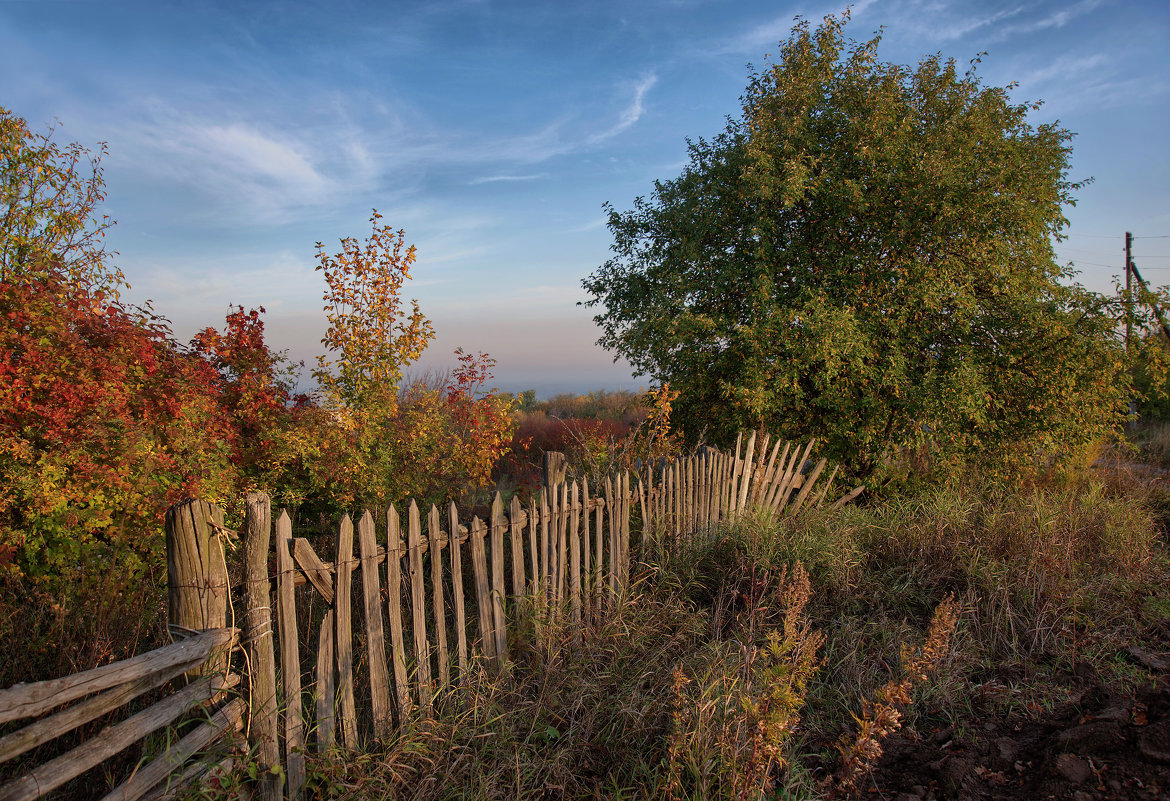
[491, 179]
[956, 30]
[632, 112]
[1065, 69]
[592, 225]
[1056, 19]
[759, 38]
[247, 170]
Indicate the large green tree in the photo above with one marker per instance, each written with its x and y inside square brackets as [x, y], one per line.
[865, 256]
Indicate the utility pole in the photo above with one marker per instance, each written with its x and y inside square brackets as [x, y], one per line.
[1128, 289]
[1129, 318]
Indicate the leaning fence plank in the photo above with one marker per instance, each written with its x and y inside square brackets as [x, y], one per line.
[326, 699]
[229, 717]
[438, 602]
[828, 485]
[808, 485]
[196, 771]
[422, 646]
[482, 589]
[394, 610]
[32, 700]
[574, 557]
[343, 606]
[375, 634]
[498, 588]
[776, 474]
[316, 571]
[290, 661]
[785, 478]
[748, 471]
[47, 729]
[798, 464]
[768, 476]
[848, 496]
[52, 774]
[457, 590]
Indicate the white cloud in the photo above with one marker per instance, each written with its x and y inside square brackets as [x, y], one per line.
[632, 112]
[246, 171]
[491, 179]
[256, 156]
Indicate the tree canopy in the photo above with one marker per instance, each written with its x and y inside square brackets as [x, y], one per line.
[865, 256]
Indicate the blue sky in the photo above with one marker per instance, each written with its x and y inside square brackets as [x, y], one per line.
[241, 133]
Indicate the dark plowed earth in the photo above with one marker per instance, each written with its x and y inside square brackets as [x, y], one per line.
[1097, 746]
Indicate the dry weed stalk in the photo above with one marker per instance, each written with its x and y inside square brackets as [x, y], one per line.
[882, 716]
[789, 661]
[745, 716]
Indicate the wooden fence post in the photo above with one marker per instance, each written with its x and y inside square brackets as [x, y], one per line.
[257, 637]
[197, 579]
[555, 469]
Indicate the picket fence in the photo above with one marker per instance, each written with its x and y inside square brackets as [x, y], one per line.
[442, 594]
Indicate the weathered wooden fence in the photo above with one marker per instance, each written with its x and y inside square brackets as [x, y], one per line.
[111, 687]
[442, 594]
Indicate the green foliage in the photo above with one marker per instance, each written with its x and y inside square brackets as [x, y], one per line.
[48, 208]
[865, 257]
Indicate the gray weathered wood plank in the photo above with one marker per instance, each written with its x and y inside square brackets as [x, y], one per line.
[394, 552]
[326, 692]
[317, 572]
[482, 590]
[343, 609]
[459, 602]
[257, 641]
[438, 601]
[37, 698]
[290, 660]
[375, 634]
[230, 717]
[113, 740]
[499, 590]
[418, 609]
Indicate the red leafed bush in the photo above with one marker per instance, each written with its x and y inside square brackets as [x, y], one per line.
[103, 423]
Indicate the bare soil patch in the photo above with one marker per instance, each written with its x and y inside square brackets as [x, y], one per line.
[1097, 745]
